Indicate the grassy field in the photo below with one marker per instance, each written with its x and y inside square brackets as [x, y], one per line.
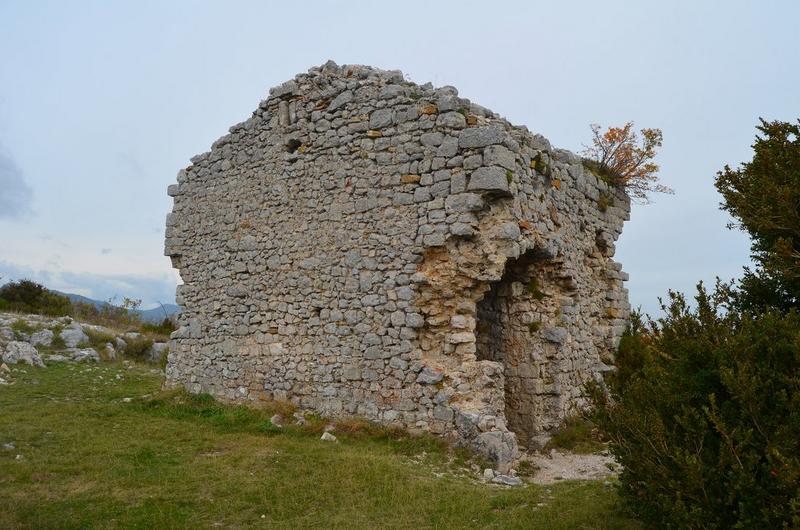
[101, 447]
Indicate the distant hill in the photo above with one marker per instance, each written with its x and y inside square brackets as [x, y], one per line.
[148, 315]
[157, 314]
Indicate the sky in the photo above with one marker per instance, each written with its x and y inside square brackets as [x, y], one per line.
[101, 103]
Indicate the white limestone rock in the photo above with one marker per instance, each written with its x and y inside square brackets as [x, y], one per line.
[73, 335]
[22, 352]
[43, 337]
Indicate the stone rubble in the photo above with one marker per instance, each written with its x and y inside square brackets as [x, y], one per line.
[363, 245]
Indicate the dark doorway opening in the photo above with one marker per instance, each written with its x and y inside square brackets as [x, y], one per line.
[509, 318]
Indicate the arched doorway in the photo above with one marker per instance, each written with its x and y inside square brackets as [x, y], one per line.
[513, 317]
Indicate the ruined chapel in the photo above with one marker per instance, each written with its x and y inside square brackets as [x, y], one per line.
[363, 245]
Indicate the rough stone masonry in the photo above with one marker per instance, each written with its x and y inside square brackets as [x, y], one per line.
[364, 245]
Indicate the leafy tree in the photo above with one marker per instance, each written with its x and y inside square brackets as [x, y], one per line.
[763, 195]
[618, 157]
[704, 410]
[704, 416]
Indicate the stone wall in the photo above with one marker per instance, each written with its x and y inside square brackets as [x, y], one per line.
[365, 245]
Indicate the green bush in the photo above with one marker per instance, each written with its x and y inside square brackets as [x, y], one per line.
[162, 329]
[97, 340]
[576, 434]
[704, 416]
[137, 348]
[20, 327]
[26, 296]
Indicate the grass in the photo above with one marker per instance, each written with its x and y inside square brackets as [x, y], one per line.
[90, 458]
[601, 172]
[137, 347]
[97, 339]
[578, 435]
[534, 290]
[23, 327]
[539, 165]
[604, 200]
[20, 328]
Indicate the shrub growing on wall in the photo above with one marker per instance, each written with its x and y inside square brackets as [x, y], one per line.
[619, 158]
[704, 416]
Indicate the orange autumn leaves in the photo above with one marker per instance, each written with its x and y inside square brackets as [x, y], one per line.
[622, 159]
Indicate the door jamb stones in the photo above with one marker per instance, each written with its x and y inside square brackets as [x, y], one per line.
[515, 318]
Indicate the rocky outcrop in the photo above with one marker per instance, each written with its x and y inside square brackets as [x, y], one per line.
[62, 339]
[73, 335]
[365, 245]
[21, 352]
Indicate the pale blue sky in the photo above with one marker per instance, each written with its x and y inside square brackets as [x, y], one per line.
[102, 102]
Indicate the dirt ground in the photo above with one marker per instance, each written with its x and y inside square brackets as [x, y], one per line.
[556, 466]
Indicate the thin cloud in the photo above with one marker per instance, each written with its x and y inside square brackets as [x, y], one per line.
[15, 194]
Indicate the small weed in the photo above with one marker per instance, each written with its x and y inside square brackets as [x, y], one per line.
[509, 176]
[97, 340]
[576, 434]
[162, 361]
[535, 291]
[604, 201]
[500, 504]
[20, 328]
[58, 343]
[533, 327]
[281, 406]
[137, 348]
[267, 427]
[596, 169]
[539, 165]
[526, 468]
[414, 96]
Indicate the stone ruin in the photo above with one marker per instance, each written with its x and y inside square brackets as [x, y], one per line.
[364, 245]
